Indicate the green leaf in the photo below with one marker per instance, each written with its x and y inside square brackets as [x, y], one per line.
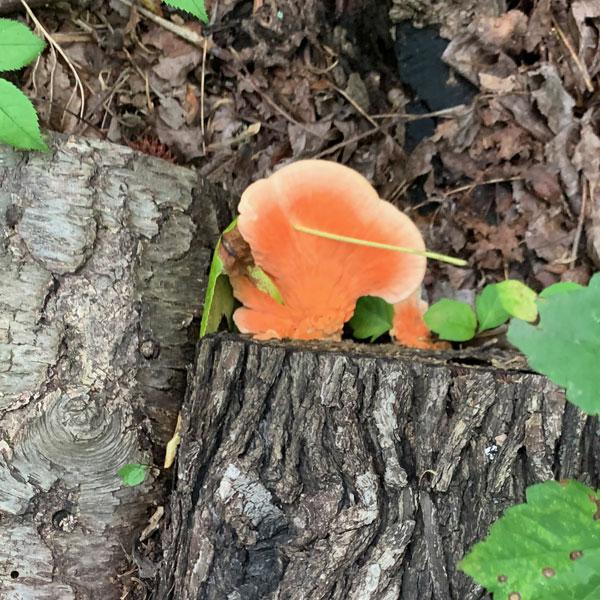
[18, 119]
[565, 345]
[562, 287]
[218, 299]
[489, 309]
[132, 474]
[547, 549]
[372, 318]
[264, 283]
[517, 299]
[451, 320]
[18, 45]
[194, 7]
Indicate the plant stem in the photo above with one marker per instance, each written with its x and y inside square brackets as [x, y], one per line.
[459, 262]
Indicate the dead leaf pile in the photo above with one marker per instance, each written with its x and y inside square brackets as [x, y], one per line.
[511, 182]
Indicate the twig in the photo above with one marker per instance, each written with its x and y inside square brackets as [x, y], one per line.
[53, 43]
[72, 37]
[340, 145]
[445, 112]
[470, 186]
[355, 104]
[183, 32]
[202, 82]
[587, 192]
[250, 131]
[580, 65]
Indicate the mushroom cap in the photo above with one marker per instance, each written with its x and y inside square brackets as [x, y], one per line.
[408, 327]
[320, 279]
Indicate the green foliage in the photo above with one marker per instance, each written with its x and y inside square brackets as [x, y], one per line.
[563, 287]
[451, 320]
[18, 119]
[18, 45]
[264, 283]
[218, 299]
[517, 299]
[194, 7]
[547, 549]
[490, 311]
[372, 318]
[565, 345]
[133, 474]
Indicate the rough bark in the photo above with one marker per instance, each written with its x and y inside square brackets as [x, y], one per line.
[346, 473]
[103, 256]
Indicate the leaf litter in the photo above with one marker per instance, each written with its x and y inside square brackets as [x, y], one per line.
[510, 181]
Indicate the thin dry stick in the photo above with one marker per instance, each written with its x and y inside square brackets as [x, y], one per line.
[586, 192]
[352, 140]
[202, 81]
[370, 132]
[61, 52]
[355, 104]
[470, 186]
[250, 131]
[582, 68]
[183, 32]
[445, 112]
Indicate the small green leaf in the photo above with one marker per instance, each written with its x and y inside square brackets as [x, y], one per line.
[18, 45]
[565, 345]
[18, 119]
[562, 287]
[451, 320]
[489, 309]
[548, 548]
[264, 283]
[194, 7]
[517, 299]
[372, 318]
[218, 299]
[132, 474]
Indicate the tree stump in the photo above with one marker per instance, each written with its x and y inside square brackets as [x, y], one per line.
[104, 254]
[353, 472]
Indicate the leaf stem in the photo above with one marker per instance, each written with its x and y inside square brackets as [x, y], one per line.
[459, 262]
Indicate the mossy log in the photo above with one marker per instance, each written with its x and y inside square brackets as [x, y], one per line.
[351, 472]
[103, 259]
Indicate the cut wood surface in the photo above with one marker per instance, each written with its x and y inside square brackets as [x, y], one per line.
[345, 472]
[103, 256]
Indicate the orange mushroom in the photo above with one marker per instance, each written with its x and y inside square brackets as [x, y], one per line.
[409, 328]
[320, 280]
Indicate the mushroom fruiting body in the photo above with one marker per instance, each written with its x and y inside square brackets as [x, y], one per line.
[319, 279]
[409, 328]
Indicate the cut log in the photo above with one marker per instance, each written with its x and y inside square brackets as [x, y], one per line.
[349, 472]
[103, 255]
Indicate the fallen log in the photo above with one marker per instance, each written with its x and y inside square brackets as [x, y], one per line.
[103, 254]
[354, 472]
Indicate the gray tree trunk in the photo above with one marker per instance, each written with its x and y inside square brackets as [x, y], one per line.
[350, 472]
[103, 258]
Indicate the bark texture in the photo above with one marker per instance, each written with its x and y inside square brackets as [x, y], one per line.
[103, 256]
[318, 472]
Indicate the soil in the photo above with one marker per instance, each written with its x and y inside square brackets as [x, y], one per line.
[505, 173]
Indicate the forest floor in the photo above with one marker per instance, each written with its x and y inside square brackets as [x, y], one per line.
[508, 178]
[505, 173]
